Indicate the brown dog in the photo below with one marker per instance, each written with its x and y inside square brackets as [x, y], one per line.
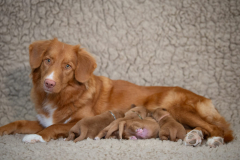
[135, 112]
[89, 127]
[65, 90]
[169, 127]
[138, 128]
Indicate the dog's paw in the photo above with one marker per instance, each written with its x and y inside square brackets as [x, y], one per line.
[214, 142]
[96, 138]
[133, 138]
[193, 138]
[32, 138]
[139, 130]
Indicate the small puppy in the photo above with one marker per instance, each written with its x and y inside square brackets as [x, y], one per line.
[138, 112]
[169, 127]
[138, 128]
[91, 126]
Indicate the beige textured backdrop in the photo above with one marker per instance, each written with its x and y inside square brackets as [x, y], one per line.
[188, 43]
[194, 44]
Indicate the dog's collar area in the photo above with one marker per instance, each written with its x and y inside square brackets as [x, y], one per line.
[138, 115]
[113, 115]
[163, 117]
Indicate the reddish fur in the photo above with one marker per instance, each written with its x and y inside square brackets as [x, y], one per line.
[78, 94]
[89, 127]
[169, 127]
[113, 127]
[128, 127]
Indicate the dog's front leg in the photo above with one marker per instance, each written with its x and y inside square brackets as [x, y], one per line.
[22, 127]
[52, 132]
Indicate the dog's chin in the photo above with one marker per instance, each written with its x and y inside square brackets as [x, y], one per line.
[48, 90]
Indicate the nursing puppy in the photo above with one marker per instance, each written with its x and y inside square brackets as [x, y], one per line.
[133, 113]
[138, 129]
[89, 127]
[169, 127]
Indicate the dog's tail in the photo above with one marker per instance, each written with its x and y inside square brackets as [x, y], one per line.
[228, 136]
[225, 126]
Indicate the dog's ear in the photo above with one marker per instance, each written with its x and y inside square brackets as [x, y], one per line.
[86, 64]
[36, 52]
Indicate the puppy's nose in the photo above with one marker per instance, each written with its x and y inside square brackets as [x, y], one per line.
[49, 83]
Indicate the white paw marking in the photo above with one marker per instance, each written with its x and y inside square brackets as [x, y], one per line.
[96, 138]
[193, 138]
[215, 141]
[32, 138]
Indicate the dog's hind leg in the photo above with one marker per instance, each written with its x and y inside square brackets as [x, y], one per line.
[201, 125]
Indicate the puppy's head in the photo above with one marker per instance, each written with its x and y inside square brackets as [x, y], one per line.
[136, 111]
[159, 112]
[60, 64]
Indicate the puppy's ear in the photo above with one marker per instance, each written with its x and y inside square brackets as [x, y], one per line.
[36, 52]
[86, 64]
[133, 106]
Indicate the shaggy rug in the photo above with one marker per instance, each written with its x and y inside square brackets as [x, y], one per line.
[194, 44]
[13, 148]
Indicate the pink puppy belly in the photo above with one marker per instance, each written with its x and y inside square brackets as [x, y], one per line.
[143, 134]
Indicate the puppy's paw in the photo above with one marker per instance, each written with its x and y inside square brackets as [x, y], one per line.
[32, 138]
[193, 138]
[214, 142]
[139, 130]
[133, 138]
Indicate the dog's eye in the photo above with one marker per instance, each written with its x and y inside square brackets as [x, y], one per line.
[67, 66]
[48, 61]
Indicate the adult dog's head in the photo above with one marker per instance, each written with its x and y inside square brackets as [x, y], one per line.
[58, 64]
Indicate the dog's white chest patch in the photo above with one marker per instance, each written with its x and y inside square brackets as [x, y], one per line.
[46, 121]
